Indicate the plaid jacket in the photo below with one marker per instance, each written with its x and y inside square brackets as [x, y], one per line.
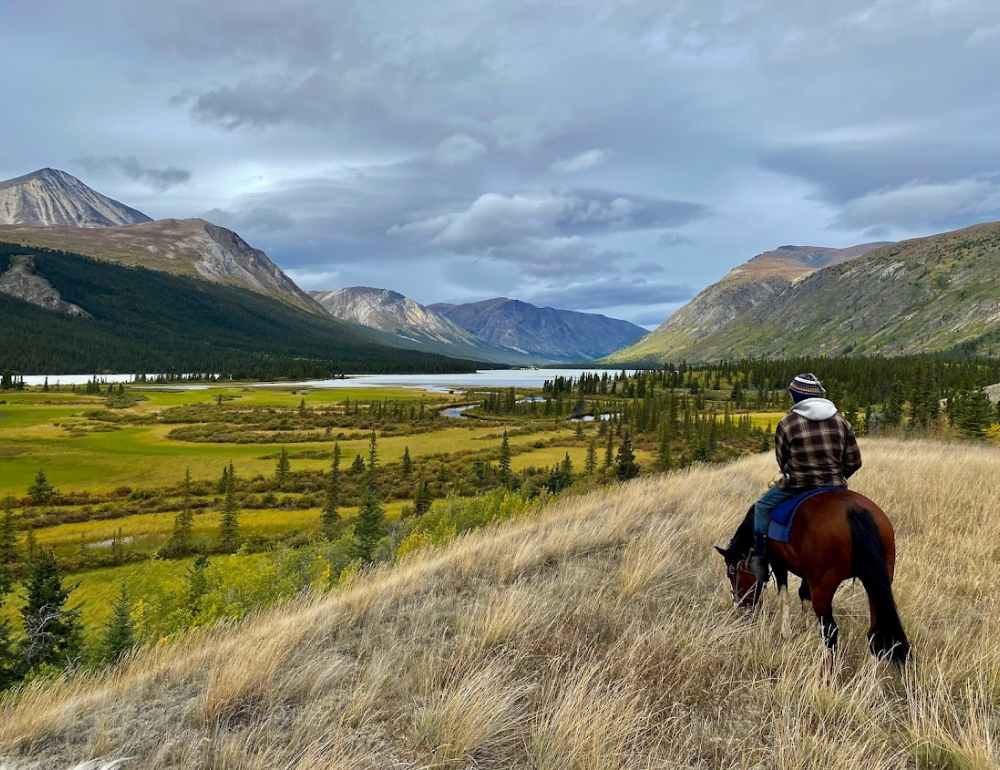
[813, 453]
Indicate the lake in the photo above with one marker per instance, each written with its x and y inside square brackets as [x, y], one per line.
[439, 383]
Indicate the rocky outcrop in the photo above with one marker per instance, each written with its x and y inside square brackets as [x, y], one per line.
[21, 283]
[52, 197]
[558, 335]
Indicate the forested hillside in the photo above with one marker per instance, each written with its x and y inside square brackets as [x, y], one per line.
[149, 321]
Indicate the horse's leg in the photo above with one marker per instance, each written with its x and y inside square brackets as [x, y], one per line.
[822, 602]
[805, 596]
[781, 578]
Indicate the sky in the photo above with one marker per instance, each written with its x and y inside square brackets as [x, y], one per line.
[602, 156]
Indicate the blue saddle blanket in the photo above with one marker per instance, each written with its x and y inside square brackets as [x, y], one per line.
[783, 515]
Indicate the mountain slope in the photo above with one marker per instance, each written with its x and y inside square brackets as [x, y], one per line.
[67, 313]
[412, 324]
[753, 283]
[52, 197]
[556, 335]
[924, 295]
[594, 634]
[190, 247]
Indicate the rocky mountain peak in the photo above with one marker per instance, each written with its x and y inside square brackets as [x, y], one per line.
[53, 197]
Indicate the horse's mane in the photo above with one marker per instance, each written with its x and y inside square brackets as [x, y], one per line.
[742, 541]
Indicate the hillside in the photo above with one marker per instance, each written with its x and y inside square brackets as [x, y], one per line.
[66, 313]
[546, 333]
[191, 247]
[52, 197]
[756, 282]
[412, 324]
[597, 634]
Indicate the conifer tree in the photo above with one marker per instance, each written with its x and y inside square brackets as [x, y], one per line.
[422, 499]
[893, 413]
[369, 528]
[229, 526]
[627, 468]
[197, 585]
[664, 458]
[30, 545]
[41, 492]
[358, 466]
[119, 631]
[181, 540]
[590, 466]
[53, 633]
[8, 535]
[407, 462]
[329, 520]
[283, 471]
[505, 458]
[609, 450]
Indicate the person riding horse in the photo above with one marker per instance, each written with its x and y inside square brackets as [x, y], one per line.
[815, 447]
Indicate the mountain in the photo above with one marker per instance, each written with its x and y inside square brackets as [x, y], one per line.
[939, 294]
[557, 335]
[52, 197]
[64, 313]
[190, 247]
[753, 283]
[412, 324]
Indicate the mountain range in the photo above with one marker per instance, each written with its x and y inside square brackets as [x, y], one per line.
[939, 294]
[543, 332]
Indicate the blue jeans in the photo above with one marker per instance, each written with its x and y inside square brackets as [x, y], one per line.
[762, 510]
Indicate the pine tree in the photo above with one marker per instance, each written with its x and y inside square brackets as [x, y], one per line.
[609, 450]
[422, 499]
[893, 413]
[197, 585]
[358, 466]
[119, 631]
[407, 462]
[30, 545]
[369, 528]
[229, 526]
[590, 467]
[181, 541]
[53, 633]
[664, 457]
[505, 458]
[225, 481]
[627, 468]
[329, 520]
[283, 471]
[41, 492]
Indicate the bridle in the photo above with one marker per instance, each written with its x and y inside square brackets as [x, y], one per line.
[732, 570]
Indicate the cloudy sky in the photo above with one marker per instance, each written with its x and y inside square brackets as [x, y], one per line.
[595, 155]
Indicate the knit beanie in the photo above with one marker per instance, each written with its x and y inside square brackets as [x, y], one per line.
[805, 386]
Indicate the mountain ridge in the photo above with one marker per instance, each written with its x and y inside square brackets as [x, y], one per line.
[52, 197]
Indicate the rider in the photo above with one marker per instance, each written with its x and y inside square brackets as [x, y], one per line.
[815, 447]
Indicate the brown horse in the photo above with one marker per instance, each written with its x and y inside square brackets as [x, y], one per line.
[835, 536]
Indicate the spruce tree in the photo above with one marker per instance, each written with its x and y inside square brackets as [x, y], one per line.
[41, 492]
[119, 631]
[30, 545]
[229, 526]
[53, 633]
[329, 520]
[283, 471]
[197, 585]
[627, 468]
[358, 466]
[369, 528]
[590, 467]
[8, 540]
[422, 499]
[505, 458]
[407, 462]
[181, 540]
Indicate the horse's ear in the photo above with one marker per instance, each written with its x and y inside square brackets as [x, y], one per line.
[722, 551]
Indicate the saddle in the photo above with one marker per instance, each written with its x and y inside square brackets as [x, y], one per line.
[780, 528]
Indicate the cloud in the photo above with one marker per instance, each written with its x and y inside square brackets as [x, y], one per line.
[459, 148]
[130, 168]
[583, 162]
[610, 293]
[255, 219]
[315, 280]
[919, 205]
[670, 240]
[494, 219]
[647, 268]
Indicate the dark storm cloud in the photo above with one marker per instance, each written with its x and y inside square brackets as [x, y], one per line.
[130, 168]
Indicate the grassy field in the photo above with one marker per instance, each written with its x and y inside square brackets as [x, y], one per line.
[598, 634]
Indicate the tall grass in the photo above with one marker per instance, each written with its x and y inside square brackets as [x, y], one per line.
[596, 634]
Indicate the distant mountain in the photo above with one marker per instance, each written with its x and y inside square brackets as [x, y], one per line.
[753, 283]
[412, 324]
[191, 247]
[52, 197]
[557, 335]
[64, 313]
[926, 295]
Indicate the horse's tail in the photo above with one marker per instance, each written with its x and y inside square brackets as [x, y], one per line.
[868, 565]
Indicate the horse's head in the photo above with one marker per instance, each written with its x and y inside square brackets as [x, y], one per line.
[743, 584]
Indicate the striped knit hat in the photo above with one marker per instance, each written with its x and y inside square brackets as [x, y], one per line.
[806, 386]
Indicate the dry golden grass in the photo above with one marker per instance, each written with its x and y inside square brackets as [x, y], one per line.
[598, 634]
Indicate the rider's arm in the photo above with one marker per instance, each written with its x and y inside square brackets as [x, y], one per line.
[851, 460]
[782, 447]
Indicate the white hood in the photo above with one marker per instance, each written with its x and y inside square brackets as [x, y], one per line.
[815, 409]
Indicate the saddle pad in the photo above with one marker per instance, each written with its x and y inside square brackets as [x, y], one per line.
[783, 515]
